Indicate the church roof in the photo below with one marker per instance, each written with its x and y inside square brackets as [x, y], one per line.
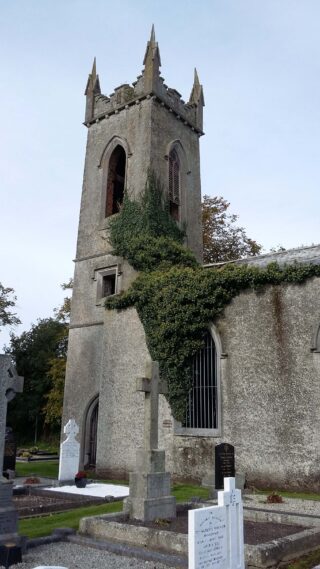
[310, 255]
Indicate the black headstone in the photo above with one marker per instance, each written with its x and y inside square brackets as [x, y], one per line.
[10, 447]
[10, 554]
[224, 464]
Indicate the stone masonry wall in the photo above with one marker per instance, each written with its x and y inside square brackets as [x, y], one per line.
[270, 391]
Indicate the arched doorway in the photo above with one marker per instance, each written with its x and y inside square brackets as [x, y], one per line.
[93, 435]
[91, 431]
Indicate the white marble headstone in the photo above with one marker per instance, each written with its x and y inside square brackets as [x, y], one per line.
[69, 453]
[215, 534]
[207, 537]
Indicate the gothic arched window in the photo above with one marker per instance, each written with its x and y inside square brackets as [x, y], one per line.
[115, 181]
[174, 184]
[202, 406]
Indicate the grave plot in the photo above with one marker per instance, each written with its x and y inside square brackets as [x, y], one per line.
[36, 501]
[265, 544]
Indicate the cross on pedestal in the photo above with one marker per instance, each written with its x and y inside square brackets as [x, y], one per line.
[71, 429]
[231, 499]
[152, 387]
[10, 384]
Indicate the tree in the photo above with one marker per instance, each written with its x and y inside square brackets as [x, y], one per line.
[40, 356]
[32, 353]
[223, 240]
[52, 408]
[7, 301]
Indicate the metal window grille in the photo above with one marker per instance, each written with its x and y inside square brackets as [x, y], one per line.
[201, 412]
[174, 177]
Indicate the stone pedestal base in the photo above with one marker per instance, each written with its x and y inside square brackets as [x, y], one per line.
[150, 488]
[150, 509]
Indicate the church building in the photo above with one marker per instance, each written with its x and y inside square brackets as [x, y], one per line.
[255, 381]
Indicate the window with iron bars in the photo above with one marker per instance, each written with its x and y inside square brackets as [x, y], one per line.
[202, 406]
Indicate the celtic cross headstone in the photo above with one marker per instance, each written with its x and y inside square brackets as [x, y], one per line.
[69, 453]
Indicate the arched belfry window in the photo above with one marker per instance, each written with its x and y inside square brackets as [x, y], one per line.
[202, 405]
[174, 184]
[115, 181]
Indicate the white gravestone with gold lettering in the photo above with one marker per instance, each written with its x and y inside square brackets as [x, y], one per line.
[69, 453]
[216, 533]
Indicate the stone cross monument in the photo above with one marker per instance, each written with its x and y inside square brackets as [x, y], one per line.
[150, 484]
[10, 384]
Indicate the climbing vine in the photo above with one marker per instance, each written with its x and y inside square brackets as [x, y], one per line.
[175, 297]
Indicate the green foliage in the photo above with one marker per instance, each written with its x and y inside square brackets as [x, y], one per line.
[32, 352]
[40, 356]
[145, 234]
[223, 240]
[7, 302]
[177, 301]
[54, 398]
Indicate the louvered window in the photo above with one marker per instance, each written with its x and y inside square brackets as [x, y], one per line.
[202, 406]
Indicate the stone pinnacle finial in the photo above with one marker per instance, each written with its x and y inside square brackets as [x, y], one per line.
[94, 69]
[152, 51]
[93, 84]
[196, 96]
[153, 34]
[92, 89]
[197, 100]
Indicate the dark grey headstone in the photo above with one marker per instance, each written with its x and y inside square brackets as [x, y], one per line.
[224, 464]
[8, 522]
[10, 448]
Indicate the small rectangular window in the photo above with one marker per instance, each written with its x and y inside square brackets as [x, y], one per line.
[108, 282]
[108, 285]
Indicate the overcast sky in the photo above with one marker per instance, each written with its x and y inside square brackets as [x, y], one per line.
[259, 63]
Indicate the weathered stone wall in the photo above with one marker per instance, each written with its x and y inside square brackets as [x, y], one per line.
[166, 130]
[269, 383]
[121, 421]
[269, 388]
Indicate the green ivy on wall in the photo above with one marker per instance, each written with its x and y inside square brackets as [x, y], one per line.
[174, 296]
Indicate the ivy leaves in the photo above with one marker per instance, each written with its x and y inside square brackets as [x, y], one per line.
[175, 297]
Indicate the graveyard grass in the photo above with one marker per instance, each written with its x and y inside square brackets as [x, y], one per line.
[306, 562]
[48, 468]
[44, 525]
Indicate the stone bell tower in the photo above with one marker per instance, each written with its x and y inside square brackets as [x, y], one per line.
[138, 127]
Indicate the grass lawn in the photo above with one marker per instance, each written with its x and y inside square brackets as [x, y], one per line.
[305, 562]
[184, 492]
[44, 525]
[47, 468]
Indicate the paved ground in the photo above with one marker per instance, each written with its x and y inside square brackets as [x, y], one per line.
[99, 490]
[74, 556]
[292, 505]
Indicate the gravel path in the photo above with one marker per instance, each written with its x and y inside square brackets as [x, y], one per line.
[293, 505]
[75, 556]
